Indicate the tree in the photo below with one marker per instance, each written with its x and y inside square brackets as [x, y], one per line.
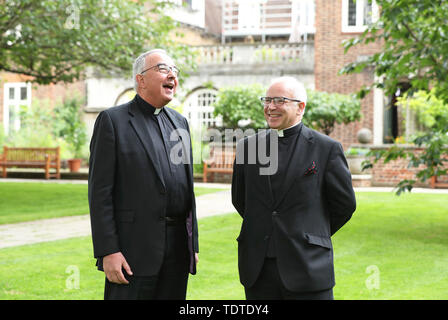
[54, 41]
[325, 110]
[414, 35]
[240, 103]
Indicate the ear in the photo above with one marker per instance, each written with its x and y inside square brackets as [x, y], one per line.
[140, 80]
[301, 109]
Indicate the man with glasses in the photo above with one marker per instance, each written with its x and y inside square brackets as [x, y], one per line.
[142, 204]
[289, 216]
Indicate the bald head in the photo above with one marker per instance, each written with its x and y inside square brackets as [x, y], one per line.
[291, 85]
[284, 115]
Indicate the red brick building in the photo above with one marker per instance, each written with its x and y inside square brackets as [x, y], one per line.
[336, 21]
[15, 92]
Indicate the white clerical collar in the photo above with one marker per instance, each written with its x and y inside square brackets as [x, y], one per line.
[281, 133]
[157, 110]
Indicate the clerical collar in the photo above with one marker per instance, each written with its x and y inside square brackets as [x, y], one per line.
[294, 129]
[147, 107]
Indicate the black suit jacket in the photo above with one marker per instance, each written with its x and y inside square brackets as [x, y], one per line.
[127, 194]
[316, 199]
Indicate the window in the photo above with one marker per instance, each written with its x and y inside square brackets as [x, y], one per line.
[17, 96]
[198, 109]
[358, 14]
[302, 20]
[249, 14]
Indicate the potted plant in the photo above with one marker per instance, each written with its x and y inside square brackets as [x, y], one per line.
[355, 158]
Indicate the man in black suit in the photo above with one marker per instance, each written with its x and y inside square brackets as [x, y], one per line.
[141, 197]
[291, 211]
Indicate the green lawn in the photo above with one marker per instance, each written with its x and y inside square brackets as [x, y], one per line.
[19, 201]
[403, 238]
[393, 248]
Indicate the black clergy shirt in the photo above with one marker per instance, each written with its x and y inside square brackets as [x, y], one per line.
[175, 176]
[287, 142]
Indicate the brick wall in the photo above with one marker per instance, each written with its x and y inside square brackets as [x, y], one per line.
[55, 93]
[391, 173]
[52, 93]
[330, 58]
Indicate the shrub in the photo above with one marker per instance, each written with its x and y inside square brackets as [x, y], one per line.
[71, 127]
[325, 110]
[240, 103]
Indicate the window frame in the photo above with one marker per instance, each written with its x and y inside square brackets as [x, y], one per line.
[15, 103]
[359, 27]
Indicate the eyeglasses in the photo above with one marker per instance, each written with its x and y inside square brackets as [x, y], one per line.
[164, 68]
[276, 100]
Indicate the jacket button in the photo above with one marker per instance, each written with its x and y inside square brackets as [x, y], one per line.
[266, 238]
[274, 213]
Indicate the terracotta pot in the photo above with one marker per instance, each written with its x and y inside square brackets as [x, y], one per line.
[74, 164]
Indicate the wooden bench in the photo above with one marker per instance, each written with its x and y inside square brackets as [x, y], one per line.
[46, 158]
[437, 184]
[220, 161]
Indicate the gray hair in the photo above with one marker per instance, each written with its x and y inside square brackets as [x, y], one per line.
[295, 85]
[140, 64]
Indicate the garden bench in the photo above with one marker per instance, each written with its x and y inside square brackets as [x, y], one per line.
[220, 161]
[438, 184]
[46, 158]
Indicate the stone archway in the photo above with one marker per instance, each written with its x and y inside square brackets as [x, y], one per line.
[125, 96]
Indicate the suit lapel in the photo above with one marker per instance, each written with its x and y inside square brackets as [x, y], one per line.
[297, 164]
[264, 138]
[136, 120]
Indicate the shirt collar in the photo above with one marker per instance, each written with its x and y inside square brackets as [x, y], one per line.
[288, 131]
[147, 108]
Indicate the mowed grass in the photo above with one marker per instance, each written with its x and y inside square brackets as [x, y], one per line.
[392, 248]
[31, 201]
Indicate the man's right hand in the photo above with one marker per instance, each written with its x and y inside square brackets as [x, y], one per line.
[113, 265]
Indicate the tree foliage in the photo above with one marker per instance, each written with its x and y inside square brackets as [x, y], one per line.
[414, 38]
[54, 41]
[240, 103]
[323, 110]
[431, 113]
[414, 35]
[70, 125]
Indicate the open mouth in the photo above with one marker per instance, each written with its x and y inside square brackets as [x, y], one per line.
[169, 86]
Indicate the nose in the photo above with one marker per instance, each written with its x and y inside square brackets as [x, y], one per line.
[270, 106]
[171, 74]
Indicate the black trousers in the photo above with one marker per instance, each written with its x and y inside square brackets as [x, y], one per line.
[171, 281]
[269, 286]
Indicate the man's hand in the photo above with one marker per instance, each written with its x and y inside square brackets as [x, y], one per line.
[113, 264]
[196, 257]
